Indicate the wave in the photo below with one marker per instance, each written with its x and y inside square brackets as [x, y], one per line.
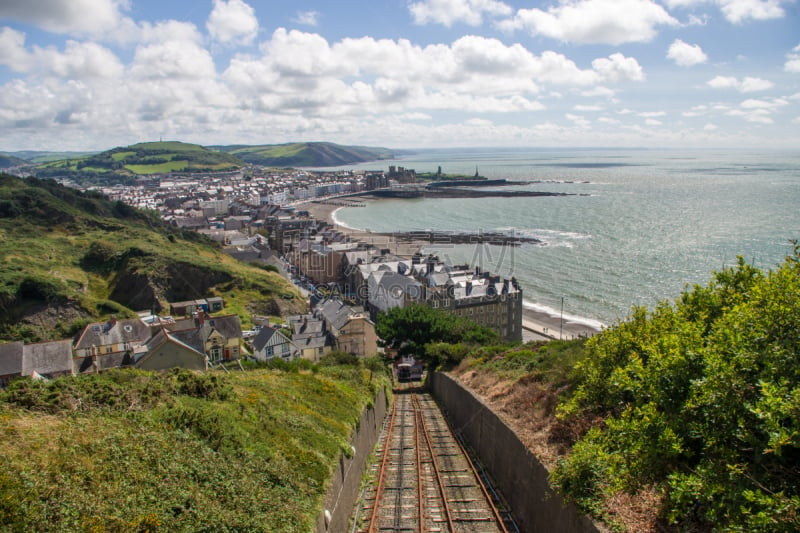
[556, 313]
[549, 237]
[338, 222]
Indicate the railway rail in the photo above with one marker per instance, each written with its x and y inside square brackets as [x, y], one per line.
[423, 480]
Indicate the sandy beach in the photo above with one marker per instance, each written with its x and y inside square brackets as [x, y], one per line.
[536, 325]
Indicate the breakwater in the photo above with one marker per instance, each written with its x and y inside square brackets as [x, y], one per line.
[456, 192]
[473, 237]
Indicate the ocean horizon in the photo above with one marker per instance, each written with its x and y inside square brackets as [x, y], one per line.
[635, 227]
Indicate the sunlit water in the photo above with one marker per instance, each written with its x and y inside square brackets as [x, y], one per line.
[638, 227]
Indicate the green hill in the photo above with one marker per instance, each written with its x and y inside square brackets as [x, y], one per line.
[308, 154]
[68, 257]
[123, 164]
[8, 161]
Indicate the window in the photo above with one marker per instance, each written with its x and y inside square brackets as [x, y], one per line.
[285, 348]
[269, 351]
[216, 353]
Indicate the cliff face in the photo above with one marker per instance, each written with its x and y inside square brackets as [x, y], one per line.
[140, 288]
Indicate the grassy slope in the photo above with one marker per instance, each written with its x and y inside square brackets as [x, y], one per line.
[134, 451]
[74, 251]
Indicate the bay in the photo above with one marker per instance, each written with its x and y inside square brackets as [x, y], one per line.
[638, 226]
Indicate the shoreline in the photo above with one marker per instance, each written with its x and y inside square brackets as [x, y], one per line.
[537, 325]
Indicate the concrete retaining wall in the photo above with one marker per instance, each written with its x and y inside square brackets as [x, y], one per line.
[520, 477]
[344, 490]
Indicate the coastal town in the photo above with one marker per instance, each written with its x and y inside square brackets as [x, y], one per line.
[279, 219]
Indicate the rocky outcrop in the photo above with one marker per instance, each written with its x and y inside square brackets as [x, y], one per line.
[140, 286]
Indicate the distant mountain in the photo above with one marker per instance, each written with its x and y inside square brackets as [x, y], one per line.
[71, 257]
[8, 161]
[306, 154]
[123, 164]
[39, 156]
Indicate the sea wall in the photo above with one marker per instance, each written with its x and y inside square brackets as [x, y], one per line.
[519, 476]
[344, 490]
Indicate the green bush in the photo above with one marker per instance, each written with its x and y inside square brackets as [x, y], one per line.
[701, 399]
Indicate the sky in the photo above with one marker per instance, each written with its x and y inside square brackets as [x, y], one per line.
[96, 74]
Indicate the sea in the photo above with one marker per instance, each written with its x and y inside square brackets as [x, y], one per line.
[636, 226]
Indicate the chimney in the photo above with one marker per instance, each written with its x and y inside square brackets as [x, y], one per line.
[112, 321]
[505, 286]
[469, 288]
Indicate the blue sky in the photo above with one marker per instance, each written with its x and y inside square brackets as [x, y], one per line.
[94, 74]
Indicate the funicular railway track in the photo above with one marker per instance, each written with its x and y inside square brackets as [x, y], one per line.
[423, 480]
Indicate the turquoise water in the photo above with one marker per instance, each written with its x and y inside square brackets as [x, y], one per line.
[638, 227]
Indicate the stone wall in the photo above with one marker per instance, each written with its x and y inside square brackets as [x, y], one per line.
[346, 482]
[519, 476]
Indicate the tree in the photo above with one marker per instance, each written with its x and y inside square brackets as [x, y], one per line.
[411, 328]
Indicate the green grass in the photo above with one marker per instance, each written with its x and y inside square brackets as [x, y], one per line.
[551, 362]
[162, 168]
[250, 451]
[119, 156]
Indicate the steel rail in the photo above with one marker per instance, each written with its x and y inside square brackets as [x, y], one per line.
[373, 521]
[484, 490]
[437, 473]
[420, 486]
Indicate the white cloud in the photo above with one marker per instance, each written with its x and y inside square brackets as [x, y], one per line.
[600, 91]
[763, 104]
[739, 11]
[175, 60]
[793, 60]
[594, 21]
[12, 50]
[758, 111]
[480, 122]
[83, 17]
[757, 116]
[579, 121]
[653, 122]
[651, 114]
[745, 85]
[307, 18]
[696, 111]
[304, 72]
[751, 85]
[710, 127]
[415, 116]
[686, 55]
[617, 68]
[449, 12]
[232, 22]
[78, 61]
[588, 108]
[723, 82]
